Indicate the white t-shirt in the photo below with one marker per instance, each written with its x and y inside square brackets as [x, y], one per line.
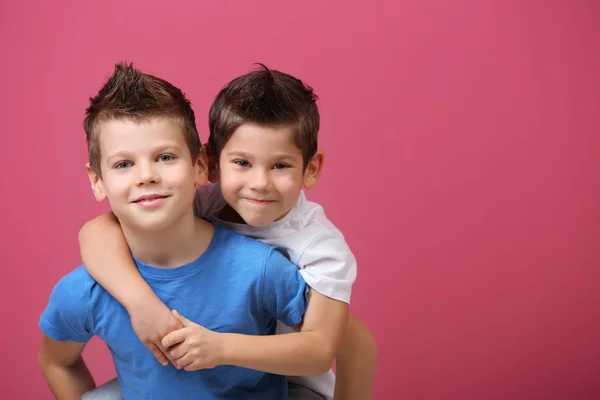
[310, 241]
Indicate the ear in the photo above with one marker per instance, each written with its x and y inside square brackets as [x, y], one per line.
[213, 166]
[201, 169]
[313, 170]
[96, 183]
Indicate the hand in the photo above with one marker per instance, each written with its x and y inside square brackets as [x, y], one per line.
[193, 347]
[151, 322]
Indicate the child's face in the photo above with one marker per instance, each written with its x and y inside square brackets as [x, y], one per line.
[147, 173]
[261, 173]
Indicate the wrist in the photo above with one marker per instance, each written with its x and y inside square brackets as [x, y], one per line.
[226, 351]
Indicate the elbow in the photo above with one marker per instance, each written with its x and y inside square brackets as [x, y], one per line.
[317, 356]
[87, 230]
[325, 365]
[325, 359]
[364, 347]
[99, 223]
[43, 361]
[370, 346]
[359, 344]
[318, 367]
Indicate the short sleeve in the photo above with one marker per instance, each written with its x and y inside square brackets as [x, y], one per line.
[329, 267]
[67, 317]
[284, 292]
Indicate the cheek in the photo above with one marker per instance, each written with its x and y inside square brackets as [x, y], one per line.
[289, 184]
[229, 191]
[118, 188]
[181, 176]
[230, 180]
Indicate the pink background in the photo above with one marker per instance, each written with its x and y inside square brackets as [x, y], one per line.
[462, 143]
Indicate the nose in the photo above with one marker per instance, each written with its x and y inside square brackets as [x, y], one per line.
[147, 173]
[260, 180]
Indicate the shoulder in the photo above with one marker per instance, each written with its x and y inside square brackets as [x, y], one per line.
[325, 259]
[67, 314]
[311, 217]
[315, 231]
[77, 293]
[77, 285]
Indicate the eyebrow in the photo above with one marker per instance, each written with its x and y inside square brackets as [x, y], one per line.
[286, 157]
[238, 154]
[278, 157]
[126, 154]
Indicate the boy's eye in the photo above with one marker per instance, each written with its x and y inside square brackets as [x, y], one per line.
[280, 166]
[242, 163]
[122, 164]
[165, 157]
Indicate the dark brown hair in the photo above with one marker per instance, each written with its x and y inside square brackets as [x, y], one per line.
[131, 94]
[265, 97]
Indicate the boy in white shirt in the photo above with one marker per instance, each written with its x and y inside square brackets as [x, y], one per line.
[263, 145]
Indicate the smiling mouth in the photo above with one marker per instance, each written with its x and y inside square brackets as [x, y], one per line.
[149, 198]
[150, 201]
[260, 202]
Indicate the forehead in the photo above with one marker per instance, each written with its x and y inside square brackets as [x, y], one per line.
[128, 134]
[262, 138]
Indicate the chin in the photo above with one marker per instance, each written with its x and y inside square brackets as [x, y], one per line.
[258, 222]
[149, 225]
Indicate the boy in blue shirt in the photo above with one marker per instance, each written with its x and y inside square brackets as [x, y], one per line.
[263, 147]
[146, 158]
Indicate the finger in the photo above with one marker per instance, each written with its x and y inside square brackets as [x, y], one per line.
[193, 366]
[174, 338]
[185, 361]
[160, 356]
[165, 353]
[183, 320]
[177, 351]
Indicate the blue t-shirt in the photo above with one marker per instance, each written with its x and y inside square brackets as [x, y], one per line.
[238, 285]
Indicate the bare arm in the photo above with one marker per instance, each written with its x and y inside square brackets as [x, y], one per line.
[356, 362]
[107, 259]
[64, 369]
[308, 352]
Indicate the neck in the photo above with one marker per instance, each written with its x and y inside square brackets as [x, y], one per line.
[182, 242]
